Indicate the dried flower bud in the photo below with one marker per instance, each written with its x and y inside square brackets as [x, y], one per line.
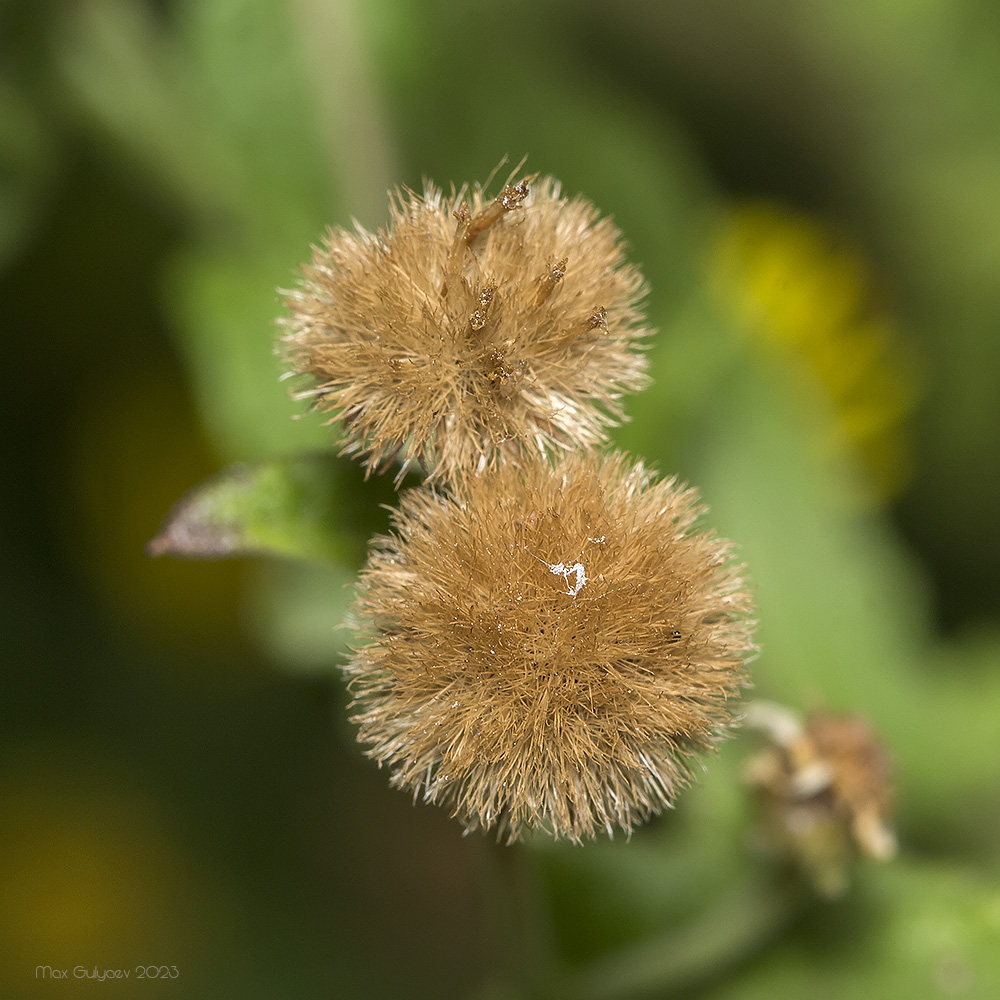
[547, 648]
[824, 791]
[472, 331]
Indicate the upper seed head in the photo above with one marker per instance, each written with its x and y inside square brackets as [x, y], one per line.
[472, 331]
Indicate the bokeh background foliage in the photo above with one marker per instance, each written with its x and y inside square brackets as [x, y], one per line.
[812, 192]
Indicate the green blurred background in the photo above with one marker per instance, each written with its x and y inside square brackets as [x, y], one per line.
[813, 192]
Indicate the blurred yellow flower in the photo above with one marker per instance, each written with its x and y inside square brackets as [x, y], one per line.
[800, 294]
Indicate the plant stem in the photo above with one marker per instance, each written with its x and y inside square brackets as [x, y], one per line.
[725, 934]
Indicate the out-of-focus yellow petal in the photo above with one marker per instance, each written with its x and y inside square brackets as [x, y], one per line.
[802, 296]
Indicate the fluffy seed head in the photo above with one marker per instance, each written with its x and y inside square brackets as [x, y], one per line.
[472, 331]
[548, 647]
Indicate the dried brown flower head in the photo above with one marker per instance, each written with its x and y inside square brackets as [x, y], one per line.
[472, 330]
[824, 791]
[548, 647]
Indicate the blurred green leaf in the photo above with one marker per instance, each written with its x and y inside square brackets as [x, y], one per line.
[284, 508]
[918, 929]
[843, 610]
[677, 906]
[955, 777]
[27, 164]
[667, 873]
[296, 610]
[225, 304]
[291, 87]
[690, 361]
[140, 90]
[533, 98]
[730, 930]
[252, 115]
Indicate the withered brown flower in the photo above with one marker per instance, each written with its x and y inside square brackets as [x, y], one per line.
[548, 647]
[824, 790]
[472, 330]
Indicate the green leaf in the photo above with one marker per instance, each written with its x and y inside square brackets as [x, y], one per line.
[918, 929]
[27, 165]
[284, 508]
[615, 893]
[224, 306]
[126, 77]
[296, 614]
[842, 606]
[680, 904]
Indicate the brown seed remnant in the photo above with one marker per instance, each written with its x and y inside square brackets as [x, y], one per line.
[547, 283]
[391, 329]
[548, 647]
[824, 790]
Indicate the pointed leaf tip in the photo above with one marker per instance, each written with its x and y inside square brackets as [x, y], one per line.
[288, 507]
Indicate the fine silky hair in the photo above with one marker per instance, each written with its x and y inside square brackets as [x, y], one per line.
[546, 638]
